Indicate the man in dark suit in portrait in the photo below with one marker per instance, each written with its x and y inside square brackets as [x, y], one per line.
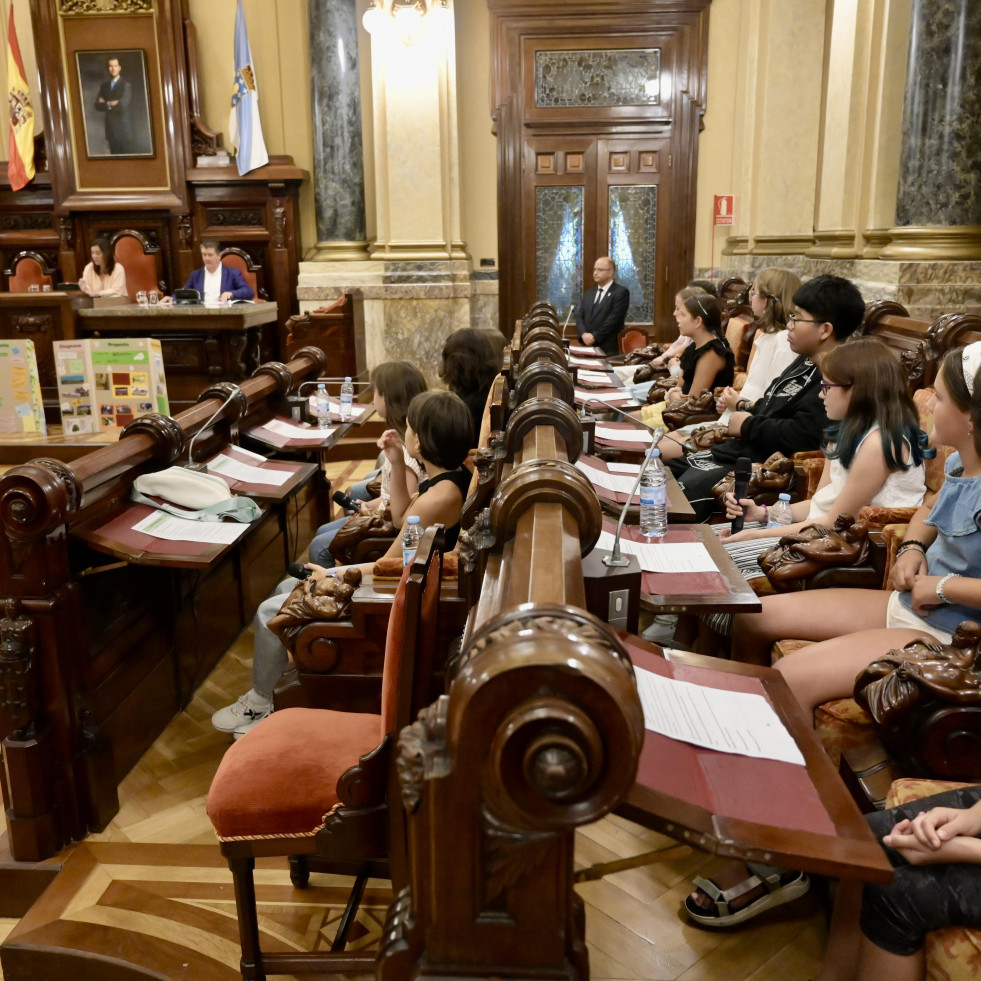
[603, 310]
[115, 96]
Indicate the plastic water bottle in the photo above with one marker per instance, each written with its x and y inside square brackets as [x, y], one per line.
[323, 407]
[654, 498]
[347, 399]
[780, 513]
[410, 539]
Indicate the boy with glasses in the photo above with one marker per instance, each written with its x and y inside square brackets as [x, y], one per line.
[790, 416]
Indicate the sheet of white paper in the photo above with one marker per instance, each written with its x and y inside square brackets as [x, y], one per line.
[296, 432]
[729, 721]
[584, 396]
[609, 481]
[586, 363]
[248, 455]
[625, 435]
[237, 470]
[595, 378]
[663, 556]
[174, 529]
[579, 349]
[633, 468]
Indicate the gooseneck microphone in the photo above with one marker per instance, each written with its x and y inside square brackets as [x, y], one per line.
[235, 393]
[740, 488]
[615, 559]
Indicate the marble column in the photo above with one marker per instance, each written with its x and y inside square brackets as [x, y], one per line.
[337, 141]
[938, 209]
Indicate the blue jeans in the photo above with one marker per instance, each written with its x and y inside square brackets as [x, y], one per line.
[320, 546]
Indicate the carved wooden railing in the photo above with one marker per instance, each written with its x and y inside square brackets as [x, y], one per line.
[540, 731]
[62, 671]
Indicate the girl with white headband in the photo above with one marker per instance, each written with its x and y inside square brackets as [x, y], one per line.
[935, 585]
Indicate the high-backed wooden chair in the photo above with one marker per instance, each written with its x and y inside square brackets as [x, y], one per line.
[632, 339]
[141, 260]
[313, 784]
[239, 259]
[27, 269]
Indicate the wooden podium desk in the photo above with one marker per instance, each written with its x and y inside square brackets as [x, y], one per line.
[201, 345]
[795, 817]
[679, 507]
[723, 591]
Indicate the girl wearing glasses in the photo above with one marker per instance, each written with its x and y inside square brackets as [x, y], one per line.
[872, 449]
[705, 363]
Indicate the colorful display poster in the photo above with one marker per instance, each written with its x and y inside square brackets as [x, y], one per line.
[105, 383]
[21, 408]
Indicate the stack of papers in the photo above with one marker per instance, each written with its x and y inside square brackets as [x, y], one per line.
[174, 529]
[729, 721]
[643, 436]
[225, 466]
[609, 481]
[660, 556]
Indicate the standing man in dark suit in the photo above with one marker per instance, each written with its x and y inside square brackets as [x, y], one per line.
[603, 310]
[115, 95]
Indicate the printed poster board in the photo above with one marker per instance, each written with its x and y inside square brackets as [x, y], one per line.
[21, 408]
[105, 383]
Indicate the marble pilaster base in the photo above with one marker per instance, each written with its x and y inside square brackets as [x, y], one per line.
[410, 307]
[926, 289]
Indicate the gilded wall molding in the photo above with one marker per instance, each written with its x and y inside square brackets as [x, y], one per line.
[77, 7]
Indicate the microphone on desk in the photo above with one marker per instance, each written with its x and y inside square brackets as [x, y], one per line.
[740, 487]
[235, 393]
[659, 431]
[615, 560]
[565, 326]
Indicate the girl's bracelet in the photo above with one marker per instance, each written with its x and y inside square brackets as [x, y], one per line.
[911, 544]
[943, 582]
[766, 514]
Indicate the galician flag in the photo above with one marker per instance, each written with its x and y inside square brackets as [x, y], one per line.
[20, 162]
[244, 128]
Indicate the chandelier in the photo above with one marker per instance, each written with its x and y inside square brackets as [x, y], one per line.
[407, 16]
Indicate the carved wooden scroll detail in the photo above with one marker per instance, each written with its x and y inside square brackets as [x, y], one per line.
[19, 686]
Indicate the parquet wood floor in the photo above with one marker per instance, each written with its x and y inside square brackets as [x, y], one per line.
[176, 904]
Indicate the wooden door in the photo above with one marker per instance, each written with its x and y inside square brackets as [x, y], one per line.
[590, 197]
[597, 133]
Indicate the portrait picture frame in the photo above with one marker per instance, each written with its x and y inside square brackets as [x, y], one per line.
[146, 36]
[120, 127]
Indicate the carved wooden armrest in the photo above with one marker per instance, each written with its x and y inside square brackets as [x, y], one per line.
[366, 783]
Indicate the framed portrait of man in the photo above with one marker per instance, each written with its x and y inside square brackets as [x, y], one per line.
[115, 103]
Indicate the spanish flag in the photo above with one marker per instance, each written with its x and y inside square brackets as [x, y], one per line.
[20, 162]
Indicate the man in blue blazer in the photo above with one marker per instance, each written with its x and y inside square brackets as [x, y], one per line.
[230, 286]
[603, 310]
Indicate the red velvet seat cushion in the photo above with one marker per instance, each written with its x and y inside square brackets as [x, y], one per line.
[280, 779]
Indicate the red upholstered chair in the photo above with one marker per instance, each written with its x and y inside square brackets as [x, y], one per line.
[141, 260]
[632, 339]
[239, 259]
[313, 784]
[27, 269]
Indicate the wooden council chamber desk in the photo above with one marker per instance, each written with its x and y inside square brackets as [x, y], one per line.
[201, 345]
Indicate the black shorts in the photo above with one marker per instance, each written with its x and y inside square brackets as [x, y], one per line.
[897, 917]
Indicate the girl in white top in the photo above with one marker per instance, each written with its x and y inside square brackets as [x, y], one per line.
[103, 276]
[771, 298]
[873, 452]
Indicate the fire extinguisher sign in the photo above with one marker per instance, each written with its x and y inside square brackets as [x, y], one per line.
[723, 209]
